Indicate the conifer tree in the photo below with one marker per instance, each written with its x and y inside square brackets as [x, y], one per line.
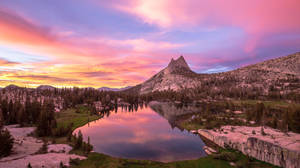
[47, 120]
[295, 124]
[79, 140]
[6, 141]
[259, 110]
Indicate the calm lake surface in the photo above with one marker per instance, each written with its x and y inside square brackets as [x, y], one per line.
[141, 134]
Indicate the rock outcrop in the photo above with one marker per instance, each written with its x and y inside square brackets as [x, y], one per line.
[25, 151]
[275, 147]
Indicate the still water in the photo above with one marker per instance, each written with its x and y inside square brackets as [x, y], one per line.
[141, 134]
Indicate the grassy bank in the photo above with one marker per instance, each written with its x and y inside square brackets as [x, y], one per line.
[78, 116]
[96, 160]
[221, 160]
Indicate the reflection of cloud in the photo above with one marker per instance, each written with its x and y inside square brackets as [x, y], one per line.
[143, 134]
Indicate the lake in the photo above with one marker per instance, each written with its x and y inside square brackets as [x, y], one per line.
[141, 134]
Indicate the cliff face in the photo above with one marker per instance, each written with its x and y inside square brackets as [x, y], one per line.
[268, 152]
[275, 147]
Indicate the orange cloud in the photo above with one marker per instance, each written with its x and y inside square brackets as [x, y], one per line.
[5, 63]
[74, 61]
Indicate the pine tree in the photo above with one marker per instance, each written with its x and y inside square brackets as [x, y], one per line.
[285, 122]
[4, 107]
[6, 141]
[89, 146]
[61, 165]
[275, 122]
[295, 124]
[259, 110]
[1, 119]
[47, 120]
[79, 140]
[69, 136]
[11, 112]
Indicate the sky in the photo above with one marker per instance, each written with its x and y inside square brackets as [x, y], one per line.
[118, 43]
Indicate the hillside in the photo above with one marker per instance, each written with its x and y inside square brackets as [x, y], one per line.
[45, 87]
[113, 89]
[280, 74]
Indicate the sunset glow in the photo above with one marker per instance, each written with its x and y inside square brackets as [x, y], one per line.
[118, 43]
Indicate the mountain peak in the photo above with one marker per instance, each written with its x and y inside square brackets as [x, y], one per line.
[179, 63]
[45, 87]
[11, 86]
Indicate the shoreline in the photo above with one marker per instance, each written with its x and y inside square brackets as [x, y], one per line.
[106, 160]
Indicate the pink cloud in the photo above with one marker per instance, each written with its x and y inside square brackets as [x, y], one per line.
[256, 17]
[253, 16]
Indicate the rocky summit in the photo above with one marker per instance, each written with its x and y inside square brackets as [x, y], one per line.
[176, 76]
[177, 66]
[280, 74]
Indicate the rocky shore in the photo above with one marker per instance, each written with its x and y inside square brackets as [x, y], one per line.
[269, 145]
[25, 151]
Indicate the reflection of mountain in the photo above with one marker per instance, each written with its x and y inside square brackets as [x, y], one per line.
[171, 111]
[141, 134]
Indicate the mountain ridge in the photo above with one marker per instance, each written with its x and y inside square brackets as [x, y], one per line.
[271, 73]
[113, 89]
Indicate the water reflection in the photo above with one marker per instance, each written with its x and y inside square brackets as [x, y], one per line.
[141, 133]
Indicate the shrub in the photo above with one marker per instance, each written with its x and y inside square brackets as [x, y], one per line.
[263, 132]
[227, 156]
[74, 162]
[61, 165]
[62, 131]
[244, 163]
[6, 141]
[43, 149]
[69, 136]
